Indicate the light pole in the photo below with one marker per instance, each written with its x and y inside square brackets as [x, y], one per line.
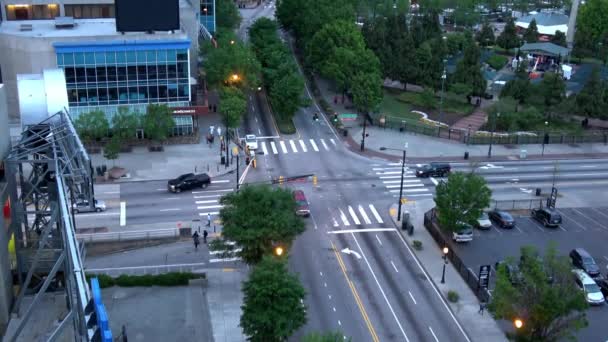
[518, 323]
[544, 137]
[443, 77]
[468, 134]
[445, 262]
[496, 116]
[402, 176]
[363, 134]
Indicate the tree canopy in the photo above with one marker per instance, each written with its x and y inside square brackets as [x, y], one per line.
[92, 125]
[552, 89]
[508, 38]
[158, 122]
[367, 91]
[591, 27]
[258, 217]
[591, 101]
[461, 199]
[272, 305]
[531, 33]
[233, 106]
[326, 337]
[226, 14]
[485, 36]
[125, 123]
[230, 58]
[468, 70]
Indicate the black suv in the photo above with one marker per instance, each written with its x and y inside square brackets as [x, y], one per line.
[433, 169]
[548, 217]
[188, 181]
[583, 260]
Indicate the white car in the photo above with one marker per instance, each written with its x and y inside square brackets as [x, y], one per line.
[593, 293]
[251, 141]
[483, 222]
[83, 207]
[463, 233]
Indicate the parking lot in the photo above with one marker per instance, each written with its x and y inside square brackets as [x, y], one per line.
[581, 227]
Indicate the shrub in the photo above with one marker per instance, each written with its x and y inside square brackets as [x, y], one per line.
[497, 61]
[168, 279]
[417, 245]
[453, 296]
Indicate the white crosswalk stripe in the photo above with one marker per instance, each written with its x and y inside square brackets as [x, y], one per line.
[351, 211]
[414, 185]
[399, 181]
[264, 148]
[210, 207]
[364, 215]
[333, 142]
[293, 146]
[209, 213]
[324, 144]
[303, 146]
[274, 147]
[375, 213]
[410, 190]
[344, 218]
[283, 147]
[314, 145]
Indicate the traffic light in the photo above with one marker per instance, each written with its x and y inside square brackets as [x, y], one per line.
[335, 118]
[315, 116]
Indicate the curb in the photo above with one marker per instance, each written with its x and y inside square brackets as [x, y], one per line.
[119, 181]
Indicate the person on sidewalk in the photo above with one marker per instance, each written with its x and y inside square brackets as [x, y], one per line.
[205, 234]
[208, 220]
[482, 307]
[196, 239]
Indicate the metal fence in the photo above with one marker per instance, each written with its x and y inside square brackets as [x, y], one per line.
[518, 204]
[130, 235]
[152, 269]
[430, 222]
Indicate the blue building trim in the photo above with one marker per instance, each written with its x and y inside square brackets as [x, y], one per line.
[124, 45]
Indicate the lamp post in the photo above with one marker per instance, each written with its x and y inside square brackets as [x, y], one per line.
[544, 137]
[468, 134]
[443, 77]
[518, 323]
[496, 116]
[445, 262]
[235, 152]
[402, 176]
[364, 133]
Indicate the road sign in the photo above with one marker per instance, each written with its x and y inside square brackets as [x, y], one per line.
[347, 117]
[484, 276]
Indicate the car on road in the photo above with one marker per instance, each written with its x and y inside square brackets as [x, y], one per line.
[502, 218]
[251, 141]
[583, 260]
[188, 181]
[483, 222]
[593, 293]
[84, 207]
[548, 217]
[433, 170]
[463, 232]
[512, 270]
[302, 208]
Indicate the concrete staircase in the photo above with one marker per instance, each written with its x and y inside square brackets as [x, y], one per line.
[475, 120]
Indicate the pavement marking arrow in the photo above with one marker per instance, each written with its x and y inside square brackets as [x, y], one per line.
[350, 251]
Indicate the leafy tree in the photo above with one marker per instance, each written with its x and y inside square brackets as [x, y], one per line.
[367, 91]
[591, 101]
[468, 70]
[461, 199]
[232, 106]
[403, 67]
[518, 88]
[256, 217]
[552, 88]
[272, 305]
[423, 59]
[531, 33]
[158, 122]
[125, 123]
[286, 94]
[333, 36]
[227, 15]
[326, 337]
[485, 36]
[375, 32]
[465, 13]
[455, 42]
[92, 125]
[231, 58]
[508, 38]
[550, 311]
[591, 26]
[112, 149]
[461, 89]
[559, 38]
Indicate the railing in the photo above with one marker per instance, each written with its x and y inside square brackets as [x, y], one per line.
[130, 235]
[465, 272]
[518, 204]
[150, 269]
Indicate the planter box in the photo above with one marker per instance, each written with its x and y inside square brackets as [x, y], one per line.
[157, 148]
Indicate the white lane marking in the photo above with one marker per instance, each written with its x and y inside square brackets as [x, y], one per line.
[393, 177]
[123, 214]
[210, 207]
[375, 212]
[314, 145]
[87, 215]
[365, 218]
[393, 164]
[264, 148]
[589, 166]
[161, 189]
[575, 222]
[171, 198]
[324, 144]
[343, 218]
[434, 181]
[283, 147]
[221, 190]
[589, 218]
[412, 296]
[172, 209]
[418, 195]
[404, 185]
[209, 213]
[364, 230]
[208, 196]
[516, 227]
[224, 260]
[377, 238]
[259, 131]
[340, 324]
[333, 142]
[335, 221]
[410, 190]
[380, 287]
[293, 146]
[404, 181]
[351, 211]
[203, 202]
[395, 267]
[114, 192]
[432, 332]
[303, 146]
[606, 257]
[220, 252]
[274, 147]
[220, 181]
[389, 173]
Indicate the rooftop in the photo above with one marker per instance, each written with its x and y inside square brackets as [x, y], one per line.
[545, 19]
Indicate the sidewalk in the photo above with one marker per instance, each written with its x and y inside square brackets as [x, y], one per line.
[478, 327]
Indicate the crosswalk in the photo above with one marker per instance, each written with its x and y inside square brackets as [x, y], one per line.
[207, 201]
[390, 176]
[355, 215]
[293, 146]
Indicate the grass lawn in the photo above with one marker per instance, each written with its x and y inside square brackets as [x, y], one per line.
[285, 126]
[392, 106]
[454, 106]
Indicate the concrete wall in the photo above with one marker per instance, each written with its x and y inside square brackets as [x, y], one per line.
[4, 131]
[189, 24]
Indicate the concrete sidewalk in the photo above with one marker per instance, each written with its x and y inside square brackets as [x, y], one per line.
[479, 327]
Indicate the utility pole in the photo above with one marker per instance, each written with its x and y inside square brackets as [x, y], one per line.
[363, 134]
[401, 186]
[237, 172]
[496, 116]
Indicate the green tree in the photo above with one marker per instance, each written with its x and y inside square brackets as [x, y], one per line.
[227, 15]
[550, 311]
[112, 149]
[591, 26]
[232, 106]
[508, 38]
[326, 337]
[468, 70]
[518, 88]
[286, 94]
[423, 59]
[125, 123]
[231, 58]
[455, 42]
[559, 38]
[591, 101]
[158, 122]
[333, 36]
[257, 217]
[485, 36]
[531, 33]
[92, 125]
[367, 91]
[272, 304]
[403, 67]
[461, 199]
[553, 89]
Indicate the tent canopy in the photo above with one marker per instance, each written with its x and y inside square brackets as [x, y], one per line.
[545, 49]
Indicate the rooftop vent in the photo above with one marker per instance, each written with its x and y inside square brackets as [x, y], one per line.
[64, 22]
[25, 27]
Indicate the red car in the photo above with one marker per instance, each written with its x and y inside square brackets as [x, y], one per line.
[301, 203]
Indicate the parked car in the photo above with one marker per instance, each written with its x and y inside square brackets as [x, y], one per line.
[548, 217]
[188, 181]
[463, 232]
[502, 218]
[583, 260]
[84, 207]
[483, 222]
[302, 208]
[251, 141]
[513, 273]
[541, 261]
[433, 169]
[603, 284]
[593, 293]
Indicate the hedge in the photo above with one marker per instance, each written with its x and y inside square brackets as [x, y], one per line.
[167, 279]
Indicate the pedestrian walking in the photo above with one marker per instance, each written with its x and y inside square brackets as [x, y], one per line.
[208, 220]
[219, 131]
[211, 130]
[196, 239]
[482, 307]
[205, 234]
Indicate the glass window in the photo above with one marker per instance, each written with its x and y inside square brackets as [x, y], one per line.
[70, 74]
[133, 94]
[171, 55]
[171, 71]
[172, 87]
[103, 95]
[143, 93]
[110, 57]
[132, 73]
[182, 56]
[80, 75]
[111, 70]
[141, 72]
[89, 58]
[68, 58]
[141, 57]
[182, 70]
[100, 57]
[162, 72]
[92, 93]
[79, 58]
[153, 92]
[183, 91]
[162, 56]
[122, 73]
[121, 57]
[82, 96]
[123, 95]
[101, 74]
[152, 75]
[72, 96]
[131, 57]
[162, 92]
[151, 57]
[113, 94]
[91, 75]
[60, 60]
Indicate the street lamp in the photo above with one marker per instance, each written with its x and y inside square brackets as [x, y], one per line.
[445, 262]
[545, 136]
[496, 116]
[278, 251]
[518, 323]
[235, 77]
[402, 176]
[443, 77]
[468, 134]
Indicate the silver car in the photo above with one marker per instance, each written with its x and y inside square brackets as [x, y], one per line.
[83, 207]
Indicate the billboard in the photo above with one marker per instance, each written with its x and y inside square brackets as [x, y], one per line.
[147, 15]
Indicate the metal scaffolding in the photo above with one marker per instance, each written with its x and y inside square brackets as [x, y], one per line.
[50, 170]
